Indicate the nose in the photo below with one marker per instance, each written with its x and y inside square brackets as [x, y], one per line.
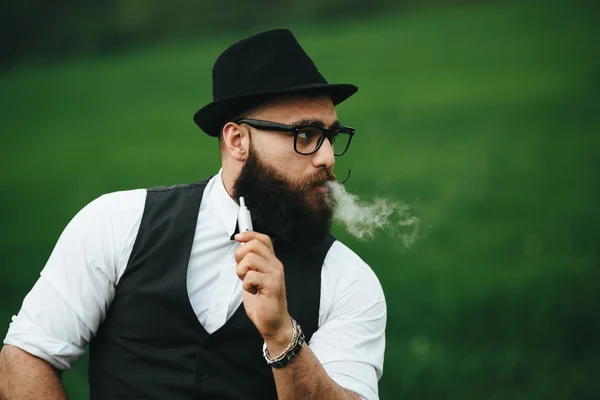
[324, 156]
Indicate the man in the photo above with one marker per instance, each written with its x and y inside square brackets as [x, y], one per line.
[174, 304]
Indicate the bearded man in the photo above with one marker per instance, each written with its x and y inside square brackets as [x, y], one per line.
[175, 304]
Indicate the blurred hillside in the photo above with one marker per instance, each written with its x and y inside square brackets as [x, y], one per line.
[51, 30]
[485, 117]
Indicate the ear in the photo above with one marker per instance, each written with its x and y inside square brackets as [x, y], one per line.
[236, 141]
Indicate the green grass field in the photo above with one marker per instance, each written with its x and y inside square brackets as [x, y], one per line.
[486, 118]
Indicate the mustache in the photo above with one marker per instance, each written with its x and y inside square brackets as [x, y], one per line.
[320, 178]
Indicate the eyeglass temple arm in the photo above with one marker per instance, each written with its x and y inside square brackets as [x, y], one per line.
[265, 125]
[348, 177]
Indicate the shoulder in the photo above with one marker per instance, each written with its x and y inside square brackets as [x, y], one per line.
[341, 260]
[109, 207]
[345, 273]
[183, 186]
[113, 218]
[122, 201]
[339, 254]
[105, 230]
[135, 199]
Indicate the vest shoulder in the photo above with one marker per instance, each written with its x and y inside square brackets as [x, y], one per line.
[178, 187]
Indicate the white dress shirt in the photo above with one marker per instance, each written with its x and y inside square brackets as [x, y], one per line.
[63, 310]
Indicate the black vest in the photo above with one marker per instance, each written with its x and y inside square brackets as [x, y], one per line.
[151, 344]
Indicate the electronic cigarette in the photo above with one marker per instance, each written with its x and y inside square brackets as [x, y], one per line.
[244, 220]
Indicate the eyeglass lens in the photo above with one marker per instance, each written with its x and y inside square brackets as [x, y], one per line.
[309, 139]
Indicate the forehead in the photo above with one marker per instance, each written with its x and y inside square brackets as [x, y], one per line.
[294, 108]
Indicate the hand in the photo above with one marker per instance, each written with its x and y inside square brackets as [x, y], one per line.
[264, 294]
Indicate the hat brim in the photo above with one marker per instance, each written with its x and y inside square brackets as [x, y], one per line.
[211, 117]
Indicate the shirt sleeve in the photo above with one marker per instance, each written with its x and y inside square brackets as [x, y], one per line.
[63, 310]
[350, 341]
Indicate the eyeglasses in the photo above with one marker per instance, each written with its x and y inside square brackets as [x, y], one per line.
[307, 138]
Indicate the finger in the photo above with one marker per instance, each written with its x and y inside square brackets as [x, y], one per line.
[253, 282]
[254, 246]
[248, 236]
[251, 262]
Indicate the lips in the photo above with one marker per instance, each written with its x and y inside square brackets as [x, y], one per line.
[321, 189]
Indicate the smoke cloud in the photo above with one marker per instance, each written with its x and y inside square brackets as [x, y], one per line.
[363, 219]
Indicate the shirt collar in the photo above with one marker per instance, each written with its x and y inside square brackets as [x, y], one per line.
[226, 206]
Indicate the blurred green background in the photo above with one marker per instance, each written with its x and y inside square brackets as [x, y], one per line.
[485, 116]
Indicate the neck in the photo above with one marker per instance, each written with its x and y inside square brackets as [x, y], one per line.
[229, 175]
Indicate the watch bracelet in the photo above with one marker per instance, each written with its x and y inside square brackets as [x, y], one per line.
[290, 355]
[290, 352]
[295, 329]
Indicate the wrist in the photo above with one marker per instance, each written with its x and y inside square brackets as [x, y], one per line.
[279, 341]
[289, 352]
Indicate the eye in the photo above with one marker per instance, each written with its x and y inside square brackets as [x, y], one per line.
[309, 133]
[333, 136]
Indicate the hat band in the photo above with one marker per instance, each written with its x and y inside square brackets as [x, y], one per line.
[252, 85]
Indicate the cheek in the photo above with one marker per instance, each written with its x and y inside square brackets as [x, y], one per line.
[280, 155]
[288, 165]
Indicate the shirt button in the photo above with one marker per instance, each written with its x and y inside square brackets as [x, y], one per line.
[204, 376]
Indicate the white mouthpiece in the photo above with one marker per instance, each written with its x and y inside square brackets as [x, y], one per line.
[244, 219]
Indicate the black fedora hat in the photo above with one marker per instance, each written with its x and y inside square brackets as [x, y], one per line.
[255, 68]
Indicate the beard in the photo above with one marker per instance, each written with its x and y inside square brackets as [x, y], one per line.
[287, 210]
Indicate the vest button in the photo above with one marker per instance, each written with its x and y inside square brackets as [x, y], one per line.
[204, 376]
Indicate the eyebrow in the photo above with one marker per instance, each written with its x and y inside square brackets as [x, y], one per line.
[315, 122]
